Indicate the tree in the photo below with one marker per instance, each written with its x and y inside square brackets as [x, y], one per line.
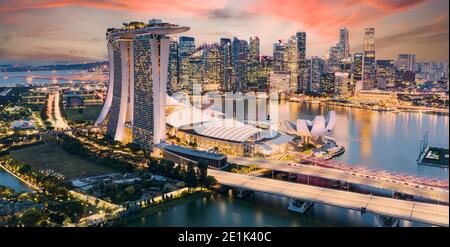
[191, 178]
[58, 218]
[203, 169]
[210, 181]
[25, 169]
[130, 190]
[32, 217]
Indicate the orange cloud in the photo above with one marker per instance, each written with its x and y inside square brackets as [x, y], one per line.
[134, 5]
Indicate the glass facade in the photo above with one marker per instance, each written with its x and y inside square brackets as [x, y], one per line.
[143, 121]
[115, 105]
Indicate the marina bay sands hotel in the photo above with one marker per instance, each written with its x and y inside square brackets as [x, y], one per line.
[134, 109]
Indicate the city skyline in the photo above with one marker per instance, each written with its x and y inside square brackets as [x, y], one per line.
[78, 37]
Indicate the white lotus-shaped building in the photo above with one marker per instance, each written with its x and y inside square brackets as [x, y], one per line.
[316, 128]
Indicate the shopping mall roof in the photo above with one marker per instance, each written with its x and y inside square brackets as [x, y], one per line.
[228, 129]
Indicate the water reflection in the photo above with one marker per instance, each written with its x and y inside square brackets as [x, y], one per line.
[381, 140]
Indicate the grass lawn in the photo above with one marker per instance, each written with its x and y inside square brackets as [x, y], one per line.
[89, 113]
[51, 156]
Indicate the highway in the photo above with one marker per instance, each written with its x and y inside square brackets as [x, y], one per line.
[438, 194]
[421, 212]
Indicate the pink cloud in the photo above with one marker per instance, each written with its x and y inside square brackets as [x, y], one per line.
[325, 16]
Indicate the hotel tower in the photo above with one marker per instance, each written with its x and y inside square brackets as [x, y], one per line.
[134, 109]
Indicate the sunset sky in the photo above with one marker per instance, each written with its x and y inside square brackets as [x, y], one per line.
[46, 31]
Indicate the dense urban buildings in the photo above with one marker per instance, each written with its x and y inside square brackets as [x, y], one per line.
[237, 65]
[132, 112]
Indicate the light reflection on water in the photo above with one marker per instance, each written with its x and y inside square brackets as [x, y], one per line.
[262, 210]
[381, 140]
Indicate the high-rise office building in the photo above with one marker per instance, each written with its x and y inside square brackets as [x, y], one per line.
[357, 72]
[342, 84]
[386, 74]
[292, 62]
[186, 47]
[227, 67]
[315, 71]
[239, 61]
[253, 63]
[327, 84]
[173, 83]
[134, 108]
[358, 66]
[302, 68]
[369, 63]
[280, 56]
[343, 41]
[254, 50]
[212, 62]
[334, 58]
[406, 62]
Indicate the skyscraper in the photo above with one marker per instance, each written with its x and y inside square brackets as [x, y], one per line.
[327, 84]
[280, 56]
[292, 62]
[315, 71]
[302, 68]
[406, 62]
[369, 64]
[226, 68]
[186, 47]
[239, 61]
[134, 108]
[212, 63]
[254, 50]
[253, 63]
[173, 83]
[358, 66]
[343, 41]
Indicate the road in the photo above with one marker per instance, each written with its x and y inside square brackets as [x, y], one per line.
[57, 119]
[335, 174]
[421, 212]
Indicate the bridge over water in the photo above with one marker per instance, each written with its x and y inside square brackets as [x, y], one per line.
[408, 210]
[355, 177]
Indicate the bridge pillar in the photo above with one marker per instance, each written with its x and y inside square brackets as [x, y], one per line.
[299, 206]
[244, 193]
[386, 221]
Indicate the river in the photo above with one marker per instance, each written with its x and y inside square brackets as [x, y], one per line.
[8, 180]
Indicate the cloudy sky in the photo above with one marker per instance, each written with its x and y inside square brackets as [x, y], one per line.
[46, 31]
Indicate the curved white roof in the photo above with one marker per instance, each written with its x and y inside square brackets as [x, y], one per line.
[315, 128]
[318, 126]
[331, 121]
[228, 129]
